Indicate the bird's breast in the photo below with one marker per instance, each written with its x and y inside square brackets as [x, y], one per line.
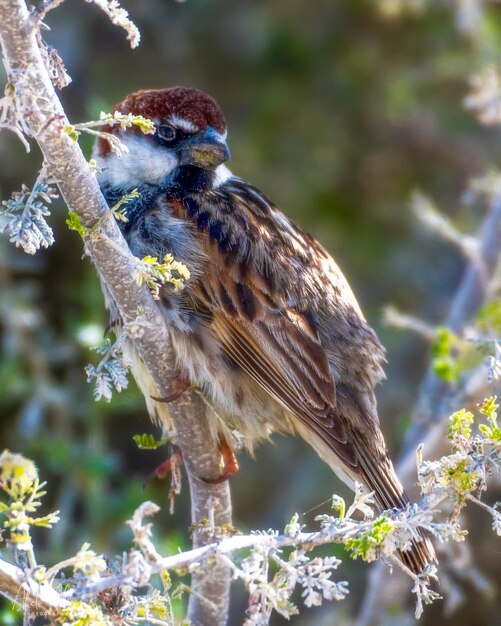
[158, 232]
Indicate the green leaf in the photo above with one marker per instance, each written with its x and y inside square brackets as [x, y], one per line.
[73, 222]
[148, 442]
[489, 317]
[338, 504]
[117, 209]
[489, 409]
[459, 424]
[71, 132]
[365, 545]
[444, 357]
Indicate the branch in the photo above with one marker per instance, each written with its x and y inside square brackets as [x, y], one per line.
[36, 599]
[277, 563]
[436, 395]
[46, 122]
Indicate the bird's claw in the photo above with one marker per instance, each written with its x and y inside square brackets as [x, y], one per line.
[178, 387]
[229, 464]
[165, 468]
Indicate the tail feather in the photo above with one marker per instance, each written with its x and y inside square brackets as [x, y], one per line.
[353, 445]
[389, 493]
[355, 458]
[419, 556]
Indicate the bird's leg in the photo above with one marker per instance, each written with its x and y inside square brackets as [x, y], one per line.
[178, 386]
[229, 464]
[169, 465]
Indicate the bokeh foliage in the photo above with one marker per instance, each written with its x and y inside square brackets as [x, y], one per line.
[338, 111]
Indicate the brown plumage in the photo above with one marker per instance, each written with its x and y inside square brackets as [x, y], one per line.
[267, 325]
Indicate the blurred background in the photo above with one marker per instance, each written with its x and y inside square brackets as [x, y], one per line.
[338, 111]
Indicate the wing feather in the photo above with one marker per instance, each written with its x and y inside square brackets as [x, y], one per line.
[282, 328]
[292, 331]
[278, 372]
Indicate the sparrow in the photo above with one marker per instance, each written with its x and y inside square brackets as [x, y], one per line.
[267, 326]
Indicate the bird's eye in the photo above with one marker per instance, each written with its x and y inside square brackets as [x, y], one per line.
[166, 132]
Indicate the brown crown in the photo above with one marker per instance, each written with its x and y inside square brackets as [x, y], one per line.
[189, 104]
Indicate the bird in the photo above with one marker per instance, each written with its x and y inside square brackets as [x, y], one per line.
[266, 326]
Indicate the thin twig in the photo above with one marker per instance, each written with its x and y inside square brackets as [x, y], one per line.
[39, 12]
[435, 395]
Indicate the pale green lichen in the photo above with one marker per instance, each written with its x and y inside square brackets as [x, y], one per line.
[82, 614]
[489, 409]
[366, 545]
[156, 274]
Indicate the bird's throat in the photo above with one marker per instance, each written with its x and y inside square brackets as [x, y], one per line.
[186, 180]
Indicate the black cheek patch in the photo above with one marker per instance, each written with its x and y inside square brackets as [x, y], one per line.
[190, 179]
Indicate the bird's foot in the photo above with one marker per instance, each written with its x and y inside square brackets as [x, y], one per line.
[229, 464]
[170, 465]
[178, 386]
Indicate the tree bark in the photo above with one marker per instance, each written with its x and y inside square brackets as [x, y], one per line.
[36, 599]
[44, 115]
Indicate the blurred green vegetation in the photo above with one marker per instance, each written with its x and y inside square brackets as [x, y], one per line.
[337, 111]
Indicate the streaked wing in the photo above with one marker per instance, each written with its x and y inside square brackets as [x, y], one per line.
[260, 316]
[271, 344]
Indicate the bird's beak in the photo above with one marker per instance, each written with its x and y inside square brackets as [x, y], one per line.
[207, 149]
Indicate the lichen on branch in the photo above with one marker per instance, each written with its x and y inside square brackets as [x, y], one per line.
[272, 565]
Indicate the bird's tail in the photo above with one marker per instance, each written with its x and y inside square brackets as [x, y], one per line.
[356, 457]
[389, 493]
[419, 556]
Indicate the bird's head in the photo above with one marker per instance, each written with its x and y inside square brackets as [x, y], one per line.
[187, 148]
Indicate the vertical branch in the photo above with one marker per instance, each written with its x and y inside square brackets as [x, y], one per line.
[435, 395]
[434, 401]
[45, 120]
[208, 502]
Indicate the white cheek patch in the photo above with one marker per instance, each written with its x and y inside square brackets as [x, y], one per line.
[222, 174]
[144, 162]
